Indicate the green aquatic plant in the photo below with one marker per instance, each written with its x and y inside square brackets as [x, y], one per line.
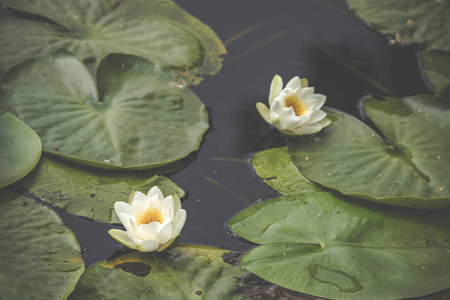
[157, 30]
[129, 118]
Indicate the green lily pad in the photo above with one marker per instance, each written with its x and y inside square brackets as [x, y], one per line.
[411, 169]
[185, 272]
[39, 256]
[319, 244]
[418, 21]
[158, 30]
[137, 120]
[92, 192]
[436, 66]
[20, 149]
[276, 168]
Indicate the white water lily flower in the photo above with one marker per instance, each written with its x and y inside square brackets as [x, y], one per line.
[294, 110]
[152, 222]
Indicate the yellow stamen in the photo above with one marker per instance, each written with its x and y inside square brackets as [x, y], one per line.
[296, 104]
[150, 215]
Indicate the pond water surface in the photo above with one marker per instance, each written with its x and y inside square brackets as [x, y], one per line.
[342, 58]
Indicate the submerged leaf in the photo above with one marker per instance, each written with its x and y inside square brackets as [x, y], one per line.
[156, 30]
[424, 22]
[92, 192]
[185, 272]
[136, 120]
[319, 244]
[20, 149]
[409, 169]
[39, 256]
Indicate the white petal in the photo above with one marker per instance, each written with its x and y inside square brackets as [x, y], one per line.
[133, 238]
[122, 237]
[156, 202]
[177, 203]
[169, 245]
[169, 206]
[179, 216]
[275, 88]
[264, 112]
[319, 100]
[150, 231]
[278, 103]
[148, 246]
[325, 122]
[126, 220]
[309, 129]
[316, 116]
[294, 83]
[139, 197]
[180, 219]
[304, 82]
[306, 93]
[289, 120]
[137, 231]
[165, 233]
[155, 191]
[123, 207]
[138, 208]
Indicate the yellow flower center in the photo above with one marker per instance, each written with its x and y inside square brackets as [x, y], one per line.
[297, 104]
[150, 215]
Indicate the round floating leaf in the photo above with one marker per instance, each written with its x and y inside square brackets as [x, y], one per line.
[436, 66]
[418, 21]
[276, 168]
[39, 257]
[139, 119]
[185, 272]
[157, 30]
[20, 149]
[319, 244]
[409, 169]
[91, 192]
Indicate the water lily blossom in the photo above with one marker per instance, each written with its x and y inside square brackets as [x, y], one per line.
[152, 222]
[294, 110]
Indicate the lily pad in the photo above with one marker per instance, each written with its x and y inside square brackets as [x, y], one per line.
[436, 66]
[92, 192]
[276, 168]
[20, 149]
[418, 21]
[138, 119]
[410, 168]
[185, 272]
[319, 244]
[157, 30]
[39, 256]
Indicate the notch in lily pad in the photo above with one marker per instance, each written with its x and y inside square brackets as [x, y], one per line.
[407, 166]
[134, 117]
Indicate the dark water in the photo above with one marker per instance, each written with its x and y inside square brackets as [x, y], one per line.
[341, 57]
[320, 40]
